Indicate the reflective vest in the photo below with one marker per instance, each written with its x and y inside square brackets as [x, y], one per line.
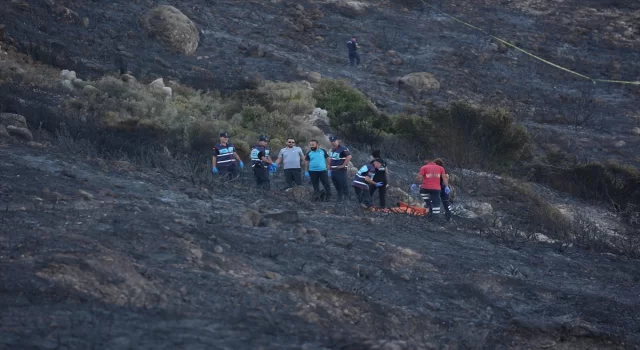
[336, 159]
[359, 179]
[254, 155]
[225, 155]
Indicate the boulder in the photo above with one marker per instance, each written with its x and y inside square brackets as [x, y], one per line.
[480, 208]
[350, 8]
[251, 218]
[127, 78]
[22, 133]
[90, 90]
[13, 119]
[3, 132]
[417, 83]
[167, 91]
[620, 144]
[314, 77]
[173, 28]
[68, 75]
[396, 194]
[68, 85]
[157, 84]
[636, 131]
[320, 119]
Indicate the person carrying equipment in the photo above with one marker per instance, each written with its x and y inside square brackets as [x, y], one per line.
[340, 158]
[429, 176]
[261, 162]
[380, 176]
[224, 158]
[317, 162]
[444, 195]
[362, 180]
[291, 157]
[354, 56]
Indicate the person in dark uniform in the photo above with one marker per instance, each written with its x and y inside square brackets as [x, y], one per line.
[340, 158]
[380, 176]
[362, 180]
[444, 195]
[354, 56]
[261, 162]
[224, 158]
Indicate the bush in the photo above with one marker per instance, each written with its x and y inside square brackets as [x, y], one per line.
[350, 113]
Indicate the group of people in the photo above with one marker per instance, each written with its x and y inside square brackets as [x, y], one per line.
[318, 165]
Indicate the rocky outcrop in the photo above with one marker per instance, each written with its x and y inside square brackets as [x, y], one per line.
[416, 84]
[173, 28]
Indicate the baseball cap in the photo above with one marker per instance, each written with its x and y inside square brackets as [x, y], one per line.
[224, 134]
[263, 138]
[333, 138]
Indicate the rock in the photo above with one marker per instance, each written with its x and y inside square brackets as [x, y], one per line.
[288, 216]
[3, 132]
[197, 252]
[272, 275]
[399, 195]
[22, 133]
[218, 249]
[314, 232]
[173, 28]
[157, 84]
[349, 8]
[167, 91]
[628, 33]
[381, 70]
[68, 85]
[162, 62]
[260, 205]
[620, 144]
[68, 75]
[35, 144]
[314, 77]
[127, 78]
[480, 208]
[636, 131]
[251, 218]
[90, 90]
[416, 84]
[13, 119]
[256, 51]
[342, 241]
[85, 195]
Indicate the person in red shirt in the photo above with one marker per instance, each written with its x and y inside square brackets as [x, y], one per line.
[430, 176]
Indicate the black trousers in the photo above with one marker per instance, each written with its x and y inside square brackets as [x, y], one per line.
[363, 195]
[431, 200]
[293, 175]
[354, 57]
[339, 179]
[262, 177]
[382, 194]
[316, 178]
[229, 172]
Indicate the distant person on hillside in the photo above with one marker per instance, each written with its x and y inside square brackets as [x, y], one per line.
[380, 176]
[261, 162]
[340, 158]
[291, 157]
[444, 195]
[224, 158]
[429, 177]
[317, 163]
[363, 179]
[354, 56]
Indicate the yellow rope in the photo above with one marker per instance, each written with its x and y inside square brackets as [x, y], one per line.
[529, 53]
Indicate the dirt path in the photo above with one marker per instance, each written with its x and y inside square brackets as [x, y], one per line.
[142, 260]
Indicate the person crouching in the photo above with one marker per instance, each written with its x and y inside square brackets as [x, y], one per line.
[363, 179]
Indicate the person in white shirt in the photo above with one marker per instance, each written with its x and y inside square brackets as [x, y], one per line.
[291, 157]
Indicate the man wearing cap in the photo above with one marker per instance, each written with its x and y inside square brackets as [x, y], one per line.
[340, 158]
[291, 157]
[363, 179]
[224, 158]
[261, 162]
[380, 176]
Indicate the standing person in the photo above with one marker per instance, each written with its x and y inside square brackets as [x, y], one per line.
[363, 179]
[430, 175]
[317, 162]
[380, 176]
[354, 56]
[291, 157]
[224, 158]
[261, 162]
[444, 195]
[340, 158]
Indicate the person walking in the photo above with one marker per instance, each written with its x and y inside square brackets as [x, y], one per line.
[444, 195]
[291, 157]
[429, 176]
[261, 163]
[340, 158]
[223, 162]
[363, 179]
[354, 56]
[380, 176]
[317, 163]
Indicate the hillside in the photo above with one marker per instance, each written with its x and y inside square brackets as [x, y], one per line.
[115, 235]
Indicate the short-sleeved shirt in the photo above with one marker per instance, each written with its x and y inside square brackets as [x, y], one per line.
[381, 174]
[338, 156]
[431, 173]
[291, 157]
[317, 160]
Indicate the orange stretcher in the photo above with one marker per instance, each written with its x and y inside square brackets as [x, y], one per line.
[403, 208]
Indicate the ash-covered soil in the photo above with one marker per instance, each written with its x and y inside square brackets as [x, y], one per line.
[284, 40]
[103, 254]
